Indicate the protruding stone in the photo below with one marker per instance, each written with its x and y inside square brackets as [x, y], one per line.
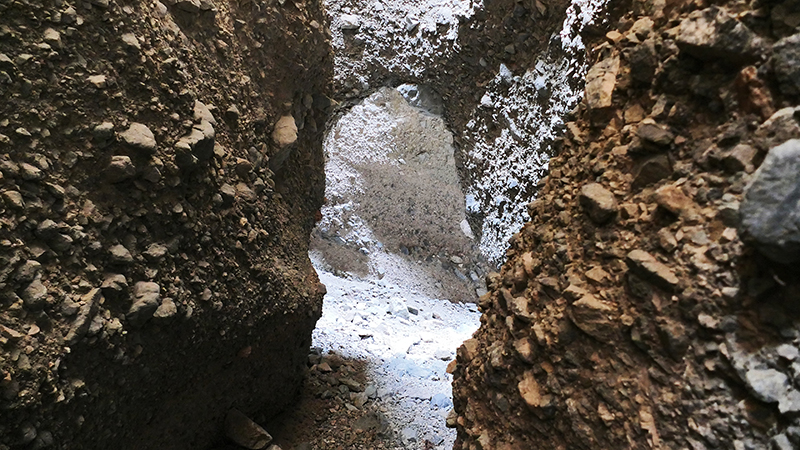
[770, 211]
[672, 198]
[525, 349]
[29, 172]
[120, 169]
[285, 132]
[598, 202]
[103, 133]
[189, 6]
[232, 116]
[201, 113]
[712, 33]
[652, 170]
[53, 38]
[531, 392]
[131, 41]
[768, 385]
[99, 81]
[350, 22]
[786, 64]
[243, 431]
[780, 127]
[146, 297]
[83, 321]
[140, 138]
[655, 134]
[648, 268]
[120, 255]
[114, 286]
[166, 310]
[35, 295]
[13, 200]
[197, 146]
[739, 158]
[28, 271]
[600, 83]
[594, 317]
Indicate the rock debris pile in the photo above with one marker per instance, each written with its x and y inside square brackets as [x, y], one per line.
[651, 300]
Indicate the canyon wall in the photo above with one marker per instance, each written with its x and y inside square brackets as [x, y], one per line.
[651, 300]
[161, 166]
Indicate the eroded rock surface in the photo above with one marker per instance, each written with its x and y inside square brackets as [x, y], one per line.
[662, 328]
[153, 268]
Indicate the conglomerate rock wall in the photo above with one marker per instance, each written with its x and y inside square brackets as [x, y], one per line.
[160, 171]
[652, 300]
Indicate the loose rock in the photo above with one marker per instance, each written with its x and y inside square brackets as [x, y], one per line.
[139, 137]
[598, 202]
[647, 267]
[770, 212]
[243, 431]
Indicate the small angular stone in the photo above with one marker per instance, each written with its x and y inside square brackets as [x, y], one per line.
[244, 432]
[594, 317]
[120, 169]
[598, 202]
[140, 138]
[120, 255]
[739, 158]
[146, 297]
[648, 268]
[672, 198]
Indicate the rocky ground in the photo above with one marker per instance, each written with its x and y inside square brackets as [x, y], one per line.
[651, 300]
[378, 372]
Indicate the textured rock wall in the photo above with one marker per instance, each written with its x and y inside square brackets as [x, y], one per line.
[640, 308]
[161, 167]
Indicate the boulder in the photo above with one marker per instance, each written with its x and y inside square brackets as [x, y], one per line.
[770, 211]
[600, 82]
[713, 33]
[786, 64]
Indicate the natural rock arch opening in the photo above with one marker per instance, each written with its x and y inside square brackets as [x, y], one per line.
[398, 258]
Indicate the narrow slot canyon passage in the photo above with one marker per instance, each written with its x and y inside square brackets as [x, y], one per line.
[399, 224]
[400, 265]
